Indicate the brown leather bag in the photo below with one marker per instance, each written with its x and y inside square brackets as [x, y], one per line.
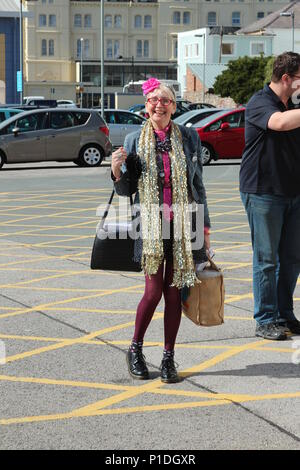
[205, 302]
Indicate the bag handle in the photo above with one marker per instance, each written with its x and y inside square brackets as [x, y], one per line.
[213, 265]
[108, 207]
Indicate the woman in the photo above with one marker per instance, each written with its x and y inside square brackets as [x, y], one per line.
[163, 166]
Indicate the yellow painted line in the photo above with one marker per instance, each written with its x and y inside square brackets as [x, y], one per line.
[62, 302]
[43, 258]
[157, 383]
[47, 278]
[235, 298]
[98, 342]
[67, 383]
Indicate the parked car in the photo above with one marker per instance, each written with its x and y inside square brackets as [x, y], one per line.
[6, 113]
[55, 134]
[191, 118]
[222, 135]
[32, 101]
[120, 123]
[136, 107]
[66, 104]
[181, 108]
[192, 106]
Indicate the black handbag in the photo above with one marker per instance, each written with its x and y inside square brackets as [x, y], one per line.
[113, 247]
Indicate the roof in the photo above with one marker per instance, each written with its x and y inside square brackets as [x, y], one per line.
[223, 29]
[274, 20]
[11, 8]
[211, 72]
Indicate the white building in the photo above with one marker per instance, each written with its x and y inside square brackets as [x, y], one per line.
[140, 40]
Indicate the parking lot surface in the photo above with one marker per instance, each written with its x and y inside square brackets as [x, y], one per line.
[65, 330]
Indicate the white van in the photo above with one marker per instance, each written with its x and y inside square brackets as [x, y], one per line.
[29, 99]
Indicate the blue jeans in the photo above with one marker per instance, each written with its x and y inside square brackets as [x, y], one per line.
[275, 232]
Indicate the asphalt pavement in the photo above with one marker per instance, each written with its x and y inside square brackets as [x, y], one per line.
[65, 331]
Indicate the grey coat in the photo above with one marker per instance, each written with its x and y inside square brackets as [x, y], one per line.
[127, 185]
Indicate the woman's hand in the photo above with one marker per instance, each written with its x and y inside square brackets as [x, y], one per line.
[117, 160]
[207, 241]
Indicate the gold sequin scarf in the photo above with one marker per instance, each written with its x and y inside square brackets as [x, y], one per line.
[153, 252]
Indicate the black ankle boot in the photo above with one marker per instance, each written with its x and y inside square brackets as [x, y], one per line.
[168, 372]
[136, 364]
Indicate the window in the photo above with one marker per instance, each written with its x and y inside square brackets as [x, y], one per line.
[235, 119]
[260, 14]
[78, 49]
[87, 21]
[52, 20]
[112, 48]
[236, 18]
[211, 18]
[44, 47]
[109, 50]
[227, 48]
[127, 118]
[118, 21]
[108, 21]
[139, 48]
[116, 48]
[146, 48]
[86, 50]
[61, 120]
[42, 20]
[33, 122]
[51, 47]
[176, 17]
[175, 48]
[148, 21]
[137, 21]
[77, 21]
[186, 17]
[257, 48]
[80, 118]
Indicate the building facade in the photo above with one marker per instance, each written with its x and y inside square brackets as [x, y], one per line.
[9, 51]
[215, 47]
[63, 39]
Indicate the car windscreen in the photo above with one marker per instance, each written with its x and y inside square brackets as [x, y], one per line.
[211, 118]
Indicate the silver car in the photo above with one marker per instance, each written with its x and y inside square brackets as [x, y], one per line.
[121, 122]
[55, 134]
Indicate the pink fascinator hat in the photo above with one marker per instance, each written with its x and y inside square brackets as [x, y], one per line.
[150, 85]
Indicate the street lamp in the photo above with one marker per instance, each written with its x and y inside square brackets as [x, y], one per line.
[81, 84]
[20, 86]
[292, 15]
[203, 62]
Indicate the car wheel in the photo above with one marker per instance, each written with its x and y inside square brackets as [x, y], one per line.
[206, 154]
[90, 155]
[2, 159]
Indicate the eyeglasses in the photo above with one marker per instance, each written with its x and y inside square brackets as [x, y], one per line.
[163, 101]
[297, 76]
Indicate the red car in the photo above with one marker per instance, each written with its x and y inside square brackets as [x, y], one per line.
[222, 135]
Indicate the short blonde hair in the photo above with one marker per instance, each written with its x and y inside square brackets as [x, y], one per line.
[164, 87]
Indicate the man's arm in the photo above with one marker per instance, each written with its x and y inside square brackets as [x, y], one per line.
[285, 121]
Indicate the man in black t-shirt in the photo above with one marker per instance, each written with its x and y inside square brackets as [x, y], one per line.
[270, 191]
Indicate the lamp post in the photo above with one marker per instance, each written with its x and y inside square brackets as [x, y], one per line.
[81, 54]
[132, 67]
[292, 15]
[21, 51]
[203, 62]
